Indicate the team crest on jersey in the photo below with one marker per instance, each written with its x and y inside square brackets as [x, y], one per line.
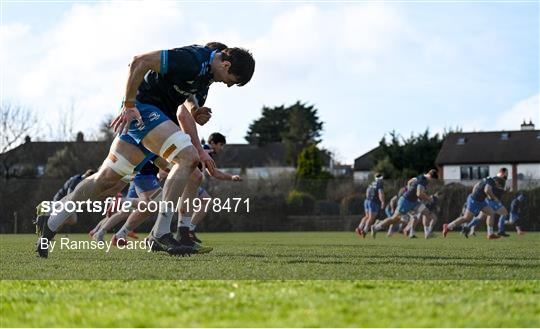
[153, 116]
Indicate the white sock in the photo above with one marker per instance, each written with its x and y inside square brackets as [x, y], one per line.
[411, 231]
[451, 226]
[426, 230]
[163, 223]
[100, 234]
[123, 232]
[184, 222]
[55, 221]
[489, 230]
[192, 227]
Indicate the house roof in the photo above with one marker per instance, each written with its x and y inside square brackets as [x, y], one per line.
[250, 156]
[366, 161]
[520, 146]
[37, 153]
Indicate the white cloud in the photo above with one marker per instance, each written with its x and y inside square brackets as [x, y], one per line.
[527, 109]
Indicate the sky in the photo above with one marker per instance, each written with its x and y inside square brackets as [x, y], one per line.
[368, 67]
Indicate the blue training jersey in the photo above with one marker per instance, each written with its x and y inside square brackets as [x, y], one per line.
[183, 71]
[412, 188]
[68, 187]
[372, 192]
[479, 193]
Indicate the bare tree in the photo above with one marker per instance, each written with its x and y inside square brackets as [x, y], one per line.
[16, 122]
[64, 129]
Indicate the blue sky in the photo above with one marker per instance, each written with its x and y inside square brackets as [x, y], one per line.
[369, 68]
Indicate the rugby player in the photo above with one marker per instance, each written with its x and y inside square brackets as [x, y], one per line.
[373, 203]
[409, 202]
[159, 96]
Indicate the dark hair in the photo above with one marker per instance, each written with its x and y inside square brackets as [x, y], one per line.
[503, 170]
[242, 63]
[217, 138]
[433, 173]
[214, 45]
[89, 172]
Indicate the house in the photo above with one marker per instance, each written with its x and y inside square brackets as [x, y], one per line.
[30, 158]
[468, 157]
[363, 164]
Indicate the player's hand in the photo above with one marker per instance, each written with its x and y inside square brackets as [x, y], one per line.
[208, 162]
[236, 178]
[122, 122]
[202, 115]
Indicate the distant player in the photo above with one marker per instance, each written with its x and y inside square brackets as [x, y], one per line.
[373, 203]
[68, 187]
[429, 216]
[391, 208]
[186, 224]
[477, 203]
[514, 216]
[409, 202]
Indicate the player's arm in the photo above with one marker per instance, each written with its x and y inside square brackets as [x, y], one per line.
[421, 193]
[187, 122]
[381, 197]
[137, 70]
[218, 174]
[489, 191]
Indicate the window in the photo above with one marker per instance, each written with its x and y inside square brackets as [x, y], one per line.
[461, 141]
[505, 136]
[474, 172]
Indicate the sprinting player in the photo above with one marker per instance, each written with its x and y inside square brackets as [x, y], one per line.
[68, 187]
[186, 224]
[514, 216]
[476, 203]
[497, 206]
[159, 97]
[429, 216]
[373, 203]
[409, 202]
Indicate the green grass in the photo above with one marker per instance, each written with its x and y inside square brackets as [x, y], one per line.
[276, 280]
[288, 256]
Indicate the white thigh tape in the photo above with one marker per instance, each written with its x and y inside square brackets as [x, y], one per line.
[119, 164]
[174, 144]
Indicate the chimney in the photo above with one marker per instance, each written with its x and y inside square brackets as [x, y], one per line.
[80, 137]
[27, 139]
[527, 126]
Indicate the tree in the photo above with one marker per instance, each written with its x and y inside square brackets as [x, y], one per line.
[298, 126]
[310, 176]
[64, 163]
[270, 127]
[410, 156]
[16, 122]
[106, 133]
[386, 168]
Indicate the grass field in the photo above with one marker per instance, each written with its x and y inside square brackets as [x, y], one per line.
[278, 279]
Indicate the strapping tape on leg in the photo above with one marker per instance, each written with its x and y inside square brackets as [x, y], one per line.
[174, 144]
[119, 164]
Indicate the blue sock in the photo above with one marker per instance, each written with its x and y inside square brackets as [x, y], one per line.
[473, 223]
[502, 225]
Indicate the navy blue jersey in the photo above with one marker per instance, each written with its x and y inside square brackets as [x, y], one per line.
[478, 192]
[69, 186]
[514, 206]
[372, 192]
[149, 169]
[498, 189]
[432, 206]
[184, 71]
[411, 193]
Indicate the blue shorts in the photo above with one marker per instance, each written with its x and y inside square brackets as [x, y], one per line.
[142, 183]
[371, 206]
[475, 206]
[404, 205]
[151, 116]
[495, 205]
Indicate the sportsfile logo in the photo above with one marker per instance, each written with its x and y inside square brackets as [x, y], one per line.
[68, 244]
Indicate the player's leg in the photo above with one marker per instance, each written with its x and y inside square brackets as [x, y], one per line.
[167, 141]
[122, 159]
[198, 216]
[188, 196]
[503, 215]
[473, 209]
[360, 229]
[490, 221]
[402, 208]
